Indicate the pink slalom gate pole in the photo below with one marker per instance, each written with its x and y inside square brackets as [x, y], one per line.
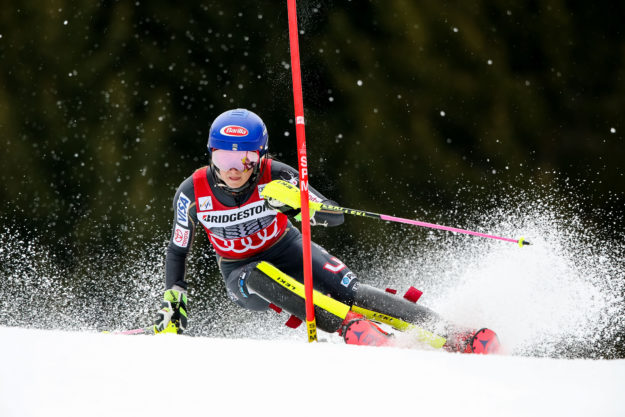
[298, 100]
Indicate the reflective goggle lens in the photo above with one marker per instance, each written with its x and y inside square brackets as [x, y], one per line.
[239, 160]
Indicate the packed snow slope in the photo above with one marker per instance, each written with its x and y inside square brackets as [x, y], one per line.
[55, 373]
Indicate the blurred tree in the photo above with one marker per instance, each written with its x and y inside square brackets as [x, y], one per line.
[431, 92]
[105, 106]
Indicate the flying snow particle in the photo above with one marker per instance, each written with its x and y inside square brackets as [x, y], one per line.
[65, 22]
[489, 62]
[442, 113]
[612, 130]
[359, 83]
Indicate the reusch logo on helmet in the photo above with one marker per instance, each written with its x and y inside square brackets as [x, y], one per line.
[233, 130]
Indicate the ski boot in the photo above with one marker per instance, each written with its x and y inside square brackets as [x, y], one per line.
[483, 341]
[357, 330]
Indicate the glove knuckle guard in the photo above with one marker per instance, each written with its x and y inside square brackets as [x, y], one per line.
[173, 312]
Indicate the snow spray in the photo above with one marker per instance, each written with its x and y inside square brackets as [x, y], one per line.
[563, 296]
[560, 297]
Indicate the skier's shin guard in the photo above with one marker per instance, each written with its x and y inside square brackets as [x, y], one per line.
[285, 292]
[389, 304]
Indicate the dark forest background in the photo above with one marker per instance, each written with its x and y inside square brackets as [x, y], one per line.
[105, 106]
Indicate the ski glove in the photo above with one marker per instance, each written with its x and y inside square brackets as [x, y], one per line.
[285, 197]
[172, 317]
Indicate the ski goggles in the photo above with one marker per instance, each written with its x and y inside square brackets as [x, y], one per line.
[239, 160]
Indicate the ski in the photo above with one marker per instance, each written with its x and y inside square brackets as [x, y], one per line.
[143, 330]
[420, 334]
[363, 332]
[483, 341]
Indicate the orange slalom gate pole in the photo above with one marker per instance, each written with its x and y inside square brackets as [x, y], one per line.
[311, 324]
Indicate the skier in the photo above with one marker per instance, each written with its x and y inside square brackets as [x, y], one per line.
[255, 242]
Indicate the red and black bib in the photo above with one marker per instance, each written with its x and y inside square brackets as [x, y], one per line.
[238, 232]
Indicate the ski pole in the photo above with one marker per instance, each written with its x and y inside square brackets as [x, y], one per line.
[286, 193]
[143, 330]
[521, 242]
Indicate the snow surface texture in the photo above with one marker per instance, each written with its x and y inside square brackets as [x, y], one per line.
[55, 373]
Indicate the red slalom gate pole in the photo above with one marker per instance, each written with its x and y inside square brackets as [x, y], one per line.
[298, 100]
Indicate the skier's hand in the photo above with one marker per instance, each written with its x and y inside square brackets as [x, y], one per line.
[281, 207]
[172, 317]
[285, 197]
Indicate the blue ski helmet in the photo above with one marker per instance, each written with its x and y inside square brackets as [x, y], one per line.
[238, 130]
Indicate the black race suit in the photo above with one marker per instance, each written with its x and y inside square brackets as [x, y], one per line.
[330, 275]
